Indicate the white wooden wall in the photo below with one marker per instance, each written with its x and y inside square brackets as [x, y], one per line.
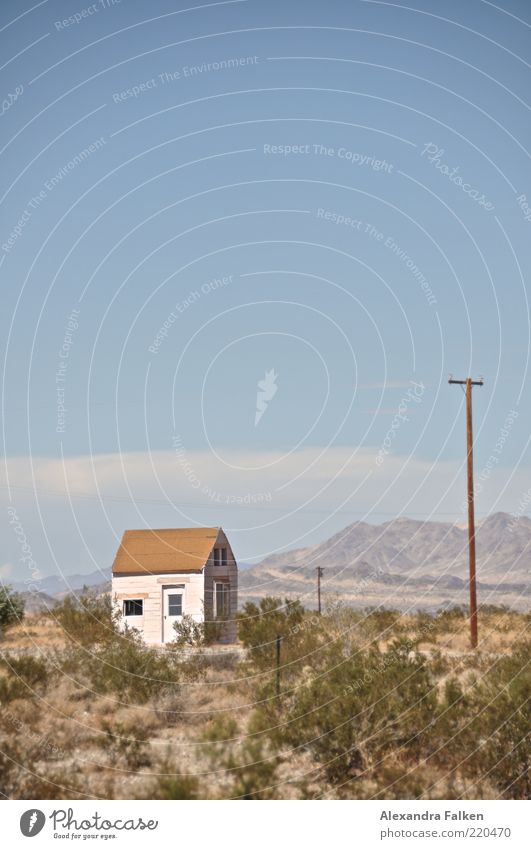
[149, 588]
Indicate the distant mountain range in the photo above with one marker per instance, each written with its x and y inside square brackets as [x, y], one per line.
[55, 585]
[404, 564]
[54, 588]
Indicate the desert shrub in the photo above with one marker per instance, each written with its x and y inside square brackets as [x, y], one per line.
[70, 660]
[168, 709]
[302, 634]
[254, 771]
[125, 743]
[54, 784]
[12, 688]
[27, 668]
[23, 775]
[424, 628]
[222, 730]
[381, 623]
[494, 610]
[136, 672]
[481, 728]
[248, 765]
[340, 618]
[188, 632]
[8, 767]
[259, 625]
[11, 608]
[362, 709]
[501, 730]
[222, 661]
[358, 721]
[450, 618]
[191, 667]
[177, 787]
[22, 675]
[174, 785]
[87, 619]
[451, 734]
[398, 778]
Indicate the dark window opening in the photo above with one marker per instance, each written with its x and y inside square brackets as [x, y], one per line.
[175, 604]
[133, 607]
[220, 557]
[222, 599]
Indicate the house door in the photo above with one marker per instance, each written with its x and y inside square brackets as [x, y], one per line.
[172, 611]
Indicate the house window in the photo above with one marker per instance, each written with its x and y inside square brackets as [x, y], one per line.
[175, 604]
[220, 557]
[133, 607]
[222, 596]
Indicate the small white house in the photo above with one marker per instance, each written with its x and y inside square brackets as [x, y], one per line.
[159, 576]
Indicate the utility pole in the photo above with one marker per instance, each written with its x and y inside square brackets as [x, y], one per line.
[319, 576]
[469, 383]
[278, 645]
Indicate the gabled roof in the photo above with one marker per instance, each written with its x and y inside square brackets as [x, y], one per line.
[164, 550]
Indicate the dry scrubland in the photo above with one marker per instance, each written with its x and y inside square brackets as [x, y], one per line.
[372, 705]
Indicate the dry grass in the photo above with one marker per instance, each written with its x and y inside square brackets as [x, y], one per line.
[35, 631]
[63, 740]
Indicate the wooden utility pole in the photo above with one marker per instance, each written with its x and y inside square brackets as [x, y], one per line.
[469, 383]
[278, 645]
[319, 576]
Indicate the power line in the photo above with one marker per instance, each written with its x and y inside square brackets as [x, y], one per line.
[75, 494]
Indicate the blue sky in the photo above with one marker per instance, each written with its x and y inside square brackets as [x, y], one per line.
[334, 194]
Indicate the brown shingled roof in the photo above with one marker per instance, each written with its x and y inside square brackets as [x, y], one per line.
[165, 550]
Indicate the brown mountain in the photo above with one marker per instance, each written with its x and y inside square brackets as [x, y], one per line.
[405, 564]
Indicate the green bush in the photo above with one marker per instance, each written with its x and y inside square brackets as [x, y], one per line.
[451, 733]
[172, 785]
[248, 765]
[27, 668]
[381, 623]
[136, 672]
[11, 608]
[361, 709]
[501, 729]
[22, 676]
[188, 632]
[88, 618]
[259, 626]
[125, 743]
[448, 618]
[12, 688]
[480, 730]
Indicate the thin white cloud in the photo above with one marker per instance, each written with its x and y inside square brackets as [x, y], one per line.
[268, 502]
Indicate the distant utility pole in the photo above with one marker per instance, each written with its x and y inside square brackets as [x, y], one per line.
[278, 645]
[469, 383]
[319, 576]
